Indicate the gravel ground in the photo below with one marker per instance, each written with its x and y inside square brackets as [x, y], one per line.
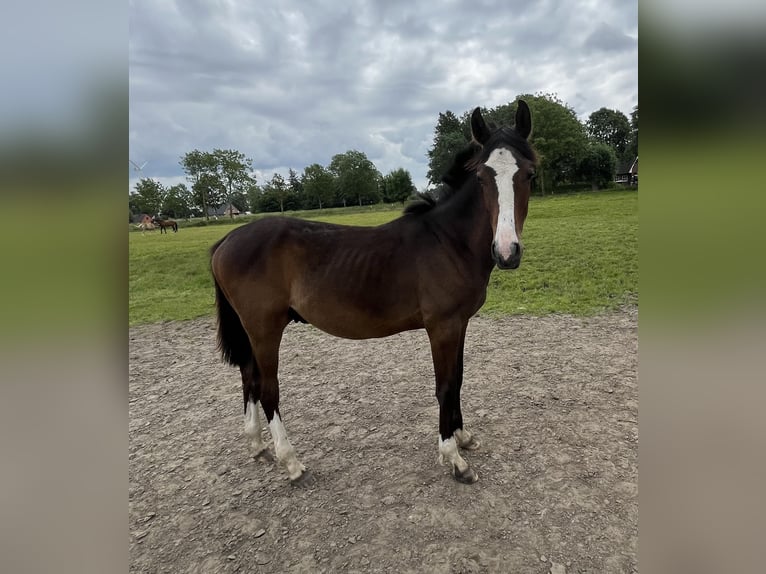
[553, 400]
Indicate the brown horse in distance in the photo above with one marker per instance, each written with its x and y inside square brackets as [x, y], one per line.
[164, 223]
[428, 269]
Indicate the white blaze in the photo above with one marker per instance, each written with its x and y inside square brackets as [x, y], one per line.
[505, 166]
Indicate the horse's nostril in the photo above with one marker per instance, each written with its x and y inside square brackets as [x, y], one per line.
[515, 249]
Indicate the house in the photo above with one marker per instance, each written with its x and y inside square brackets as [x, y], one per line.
[227, 210]
[627, 172]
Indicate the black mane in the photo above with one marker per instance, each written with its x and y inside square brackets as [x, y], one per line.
[451, 182]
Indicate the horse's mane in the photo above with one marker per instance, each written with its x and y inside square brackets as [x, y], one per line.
[452, 181]
[465, 163]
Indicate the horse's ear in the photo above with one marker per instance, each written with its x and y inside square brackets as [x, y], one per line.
[523, 119]
[479, 130]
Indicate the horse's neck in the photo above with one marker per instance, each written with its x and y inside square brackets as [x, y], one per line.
[465, 218]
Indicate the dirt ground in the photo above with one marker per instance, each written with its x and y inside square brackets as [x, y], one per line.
[553, 400]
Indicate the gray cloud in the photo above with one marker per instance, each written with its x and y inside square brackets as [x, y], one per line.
[291, 83]
[606, 38]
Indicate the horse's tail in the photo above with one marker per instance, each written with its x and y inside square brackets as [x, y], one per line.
[175, 226]
[233, 341]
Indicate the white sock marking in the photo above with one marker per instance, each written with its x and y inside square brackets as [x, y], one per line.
[253, 426]
[448, 452]
[283, 448]
[462, 436]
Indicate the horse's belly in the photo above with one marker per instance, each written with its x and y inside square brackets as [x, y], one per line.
[357, 299]
[357, 322]
[368, 331]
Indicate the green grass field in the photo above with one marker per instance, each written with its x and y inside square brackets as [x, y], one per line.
[581, 257]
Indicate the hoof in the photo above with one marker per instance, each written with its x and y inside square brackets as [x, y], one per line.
[468, 476]
[470, 444]
[304, 480]
[264, 454]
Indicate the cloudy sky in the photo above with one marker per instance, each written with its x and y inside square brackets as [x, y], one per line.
[290, 83]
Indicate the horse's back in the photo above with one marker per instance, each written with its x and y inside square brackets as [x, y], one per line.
[313, 241]
[309, 249]
[245, 249]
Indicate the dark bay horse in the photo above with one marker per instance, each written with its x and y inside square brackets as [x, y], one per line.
[427, 269]
[163, 223]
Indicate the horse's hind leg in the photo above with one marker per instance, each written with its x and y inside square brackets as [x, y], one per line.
[251, 391]
[267, 358]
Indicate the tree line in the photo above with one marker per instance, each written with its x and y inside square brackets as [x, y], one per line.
[225, 177]
[571, 153]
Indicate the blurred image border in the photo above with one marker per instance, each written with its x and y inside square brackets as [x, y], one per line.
[702, 280]
[63, 298]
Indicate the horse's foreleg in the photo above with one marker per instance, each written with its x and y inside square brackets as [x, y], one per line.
[267, 357]
[446, 349]
[464, 439]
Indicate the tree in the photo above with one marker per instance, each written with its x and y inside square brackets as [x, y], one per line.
[234, 170]
[254, 194]
[208, 193]
[295, 186]
[558, 137]
[318, 186]
[397, 186]
[134, 204]
[218, 177]
[148, 196]
[449, 138]
[610, 127]
[356, 177]
[199, 166]
[598, 165]
[178, 201]
[275, 191]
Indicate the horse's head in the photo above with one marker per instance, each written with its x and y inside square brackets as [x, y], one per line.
[505, 167]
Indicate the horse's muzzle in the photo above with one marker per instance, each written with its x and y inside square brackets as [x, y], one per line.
[512, 261]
